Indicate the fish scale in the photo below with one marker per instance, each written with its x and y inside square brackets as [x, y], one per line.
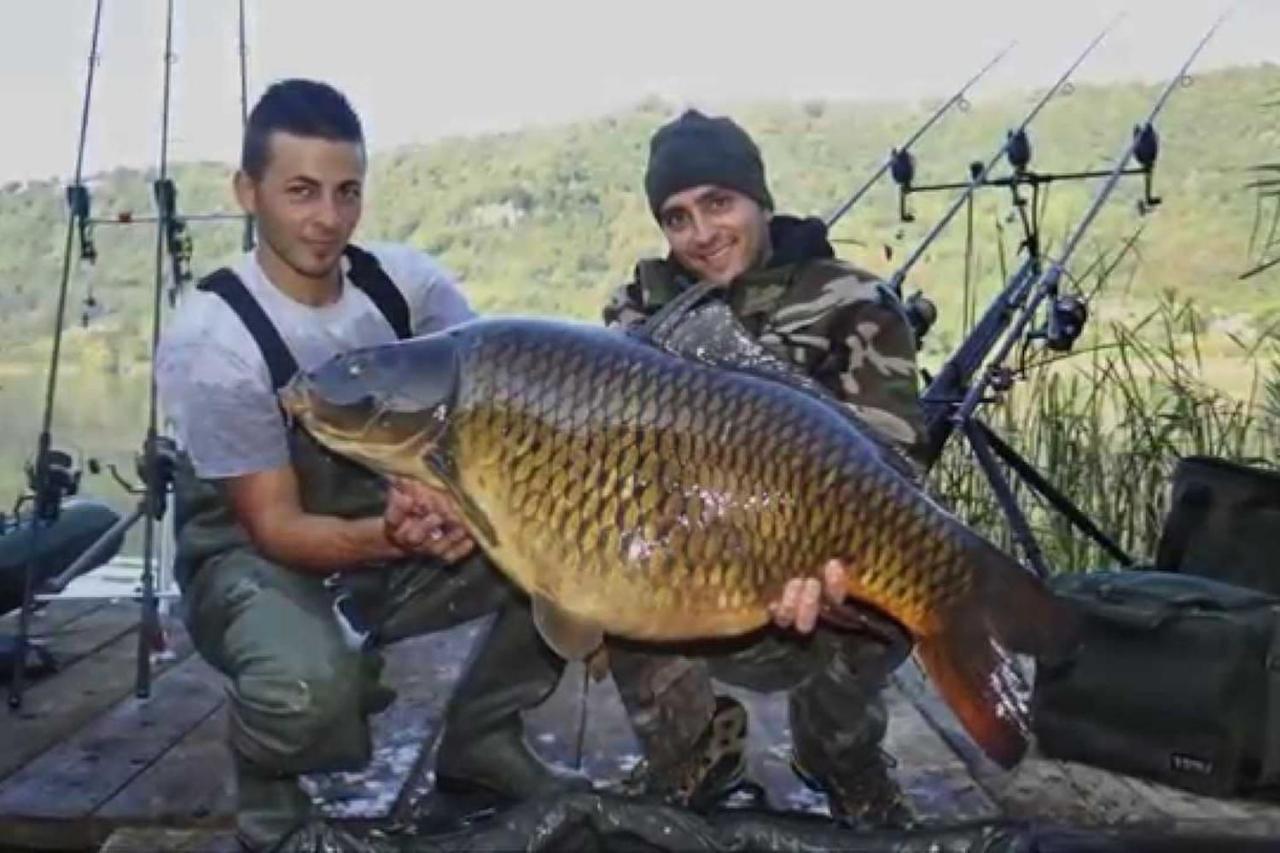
[722, 466]
[656, 498]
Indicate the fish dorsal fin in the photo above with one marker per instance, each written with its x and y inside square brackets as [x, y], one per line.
[711, 334]
[571, 637]
[441, 466]
[892, 455]
[659, 326]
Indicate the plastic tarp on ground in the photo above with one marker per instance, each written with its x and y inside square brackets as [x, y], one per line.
[596, 823]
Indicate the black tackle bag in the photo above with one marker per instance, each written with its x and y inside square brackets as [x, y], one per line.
[1223, 523]
[1176, 679]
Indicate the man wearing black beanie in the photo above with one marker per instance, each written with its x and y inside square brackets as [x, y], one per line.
[707, 189]
[695, 150]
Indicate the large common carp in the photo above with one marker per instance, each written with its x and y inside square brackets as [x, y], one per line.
[648, 496]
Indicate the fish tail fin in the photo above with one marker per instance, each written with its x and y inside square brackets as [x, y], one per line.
[970, 657]
[1024, 613]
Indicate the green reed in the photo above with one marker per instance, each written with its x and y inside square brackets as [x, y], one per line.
[1108, 423]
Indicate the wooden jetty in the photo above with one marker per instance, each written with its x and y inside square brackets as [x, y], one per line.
[85, 765]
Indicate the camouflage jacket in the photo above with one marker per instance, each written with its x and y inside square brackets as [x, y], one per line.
[841, 325]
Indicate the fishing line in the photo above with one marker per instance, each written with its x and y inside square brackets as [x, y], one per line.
[901, 154]
[247, 241]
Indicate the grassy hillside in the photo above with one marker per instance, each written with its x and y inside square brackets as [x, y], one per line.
[548, 220]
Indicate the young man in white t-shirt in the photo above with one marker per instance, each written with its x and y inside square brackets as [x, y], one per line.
[266, 520]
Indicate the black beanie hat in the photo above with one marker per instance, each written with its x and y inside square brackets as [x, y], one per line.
[693, 150]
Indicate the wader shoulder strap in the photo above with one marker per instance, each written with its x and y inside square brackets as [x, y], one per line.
[280, 361]
[368, 275]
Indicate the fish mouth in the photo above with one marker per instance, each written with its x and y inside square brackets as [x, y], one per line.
[294, 399]
[358, 429]
[304, 405]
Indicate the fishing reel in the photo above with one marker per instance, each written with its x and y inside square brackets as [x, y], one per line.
[154, 469]
[1065, 323]
[53, 477]
[921, 314]
[156, 466]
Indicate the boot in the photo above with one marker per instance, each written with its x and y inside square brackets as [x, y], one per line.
[274, 814]
[863, 795]
[269, 807]
[714, 768]
[483, 749]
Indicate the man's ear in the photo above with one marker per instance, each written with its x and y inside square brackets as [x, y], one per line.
[246, 190]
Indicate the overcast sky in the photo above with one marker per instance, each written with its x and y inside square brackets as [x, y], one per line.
[420, 69]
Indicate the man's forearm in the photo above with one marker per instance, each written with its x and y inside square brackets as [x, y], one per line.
[322, 544]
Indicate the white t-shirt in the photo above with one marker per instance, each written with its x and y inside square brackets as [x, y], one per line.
[214, 384]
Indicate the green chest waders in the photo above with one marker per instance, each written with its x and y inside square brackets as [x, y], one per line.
[298, 628]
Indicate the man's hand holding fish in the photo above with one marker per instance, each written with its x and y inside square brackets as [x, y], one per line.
[423, 521]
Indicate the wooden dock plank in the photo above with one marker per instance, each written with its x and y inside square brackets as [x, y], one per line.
[51, 800]
[1189, 812]
[73, 639]
[54, 629]
[937, 783]
[421, 669]
[944, 775]
[1035, 789]
[57, 706]
[52, 615]
[73, 634]
[151, 839]
[169, 794]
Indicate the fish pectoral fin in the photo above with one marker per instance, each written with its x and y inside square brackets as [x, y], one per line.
[570, 636]
[867, 619]
[598, 663]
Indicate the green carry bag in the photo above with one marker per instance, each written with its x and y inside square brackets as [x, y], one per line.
[1223, 523]
[1176, 679]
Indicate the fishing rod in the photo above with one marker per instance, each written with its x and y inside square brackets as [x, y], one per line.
[920, 311]
[53, 475]
[901, 154]
[159, 454]
[979, 173]
[951, 399]
[1047, 286]
[247, 242]
[154, 466]
[177, 235]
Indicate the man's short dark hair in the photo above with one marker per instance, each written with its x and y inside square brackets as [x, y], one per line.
[303, 108]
